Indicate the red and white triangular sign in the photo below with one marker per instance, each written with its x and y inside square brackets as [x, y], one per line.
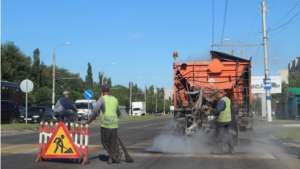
[61, 145]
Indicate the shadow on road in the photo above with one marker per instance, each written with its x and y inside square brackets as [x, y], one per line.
[64, 161]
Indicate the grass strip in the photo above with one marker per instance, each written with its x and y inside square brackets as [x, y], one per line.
[292, 134]
[20, 126]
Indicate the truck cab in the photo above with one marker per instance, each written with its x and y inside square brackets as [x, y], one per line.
[85, 108]
[137, 112]
[138, 109]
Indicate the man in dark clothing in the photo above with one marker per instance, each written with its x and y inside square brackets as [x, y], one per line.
[62, 106]
[108, 108]
[223, 113]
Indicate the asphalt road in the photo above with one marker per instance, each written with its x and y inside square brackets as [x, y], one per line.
[152, 145]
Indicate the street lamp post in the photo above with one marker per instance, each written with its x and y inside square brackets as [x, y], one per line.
[102, 76]
[53, 73]
[131, 94]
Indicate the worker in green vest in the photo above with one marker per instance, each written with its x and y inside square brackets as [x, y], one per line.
[223, 113]
[108, 108]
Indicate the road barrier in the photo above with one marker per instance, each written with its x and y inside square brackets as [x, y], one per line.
[56, 141]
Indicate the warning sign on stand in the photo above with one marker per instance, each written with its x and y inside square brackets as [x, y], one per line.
[60, 145]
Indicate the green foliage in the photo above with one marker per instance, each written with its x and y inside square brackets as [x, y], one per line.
[108, 81]
[256, 105]
[16, 66]
[89, 77]
[43, 96]
[36, 68]
[294, 79]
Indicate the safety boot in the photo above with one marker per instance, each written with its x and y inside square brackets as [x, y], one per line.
[231, 148]
[219, 151]
[118, 157]
[110, 160]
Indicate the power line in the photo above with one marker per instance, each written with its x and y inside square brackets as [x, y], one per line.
[213, 22]
[272, 3]
[288, 22]
[224, 21]
[286, 14]
[284, 28]
[253, 25]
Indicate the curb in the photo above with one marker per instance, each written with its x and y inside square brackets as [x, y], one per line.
[263, 120]
[17, 132]
[279, 125]
[288, 146]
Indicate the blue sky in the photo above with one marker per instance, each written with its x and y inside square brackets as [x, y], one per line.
[140, 36]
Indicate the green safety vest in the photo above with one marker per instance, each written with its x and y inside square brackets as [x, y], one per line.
[225, 115]
[109, 119]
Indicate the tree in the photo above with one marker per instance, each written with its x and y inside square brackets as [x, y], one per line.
[294, 79]
[280, 96]
[89, 77]
[45, 75]
[43, 96]
[100, 78]
[109, 82]
[256, 105]
[35, 68]
[15, 65]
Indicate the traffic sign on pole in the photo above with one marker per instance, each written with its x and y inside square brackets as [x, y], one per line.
[26, 86]
[88, 94]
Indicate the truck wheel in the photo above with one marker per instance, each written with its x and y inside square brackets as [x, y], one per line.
[13, 119]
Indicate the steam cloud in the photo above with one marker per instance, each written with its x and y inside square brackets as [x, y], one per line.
[167, 142]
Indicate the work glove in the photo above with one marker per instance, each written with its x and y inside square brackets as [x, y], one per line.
[207, 112]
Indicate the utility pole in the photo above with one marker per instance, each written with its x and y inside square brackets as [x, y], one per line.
[164, 105]
[156, 101]
[242, 53]
[102, 77]
[267, 75]
[53, 80]
[164, 101]
[145, 99]
[130, 112]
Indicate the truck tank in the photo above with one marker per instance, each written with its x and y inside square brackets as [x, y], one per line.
[194, 84]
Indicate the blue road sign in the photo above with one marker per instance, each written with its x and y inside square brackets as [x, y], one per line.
[88, 94]
[267, 87]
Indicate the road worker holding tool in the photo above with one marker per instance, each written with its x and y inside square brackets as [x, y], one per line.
[223, 113]
[108, 108]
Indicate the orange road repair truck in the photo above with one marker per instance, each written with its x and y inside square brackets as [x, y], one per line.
[194, 85]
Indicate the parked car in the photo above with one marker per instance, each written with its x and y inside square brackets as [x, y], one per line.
[22, 110]
[37, 113]
[157, 113]
[10, 112]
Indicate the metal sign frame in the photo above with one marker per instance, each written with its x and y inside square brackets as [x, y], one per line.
[68, 137]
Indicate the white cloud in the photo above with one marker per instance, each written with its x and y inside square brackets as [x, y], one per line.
[136, 36]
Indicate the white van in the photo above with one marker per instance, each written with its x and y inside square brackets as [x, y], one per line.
[85, 108]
